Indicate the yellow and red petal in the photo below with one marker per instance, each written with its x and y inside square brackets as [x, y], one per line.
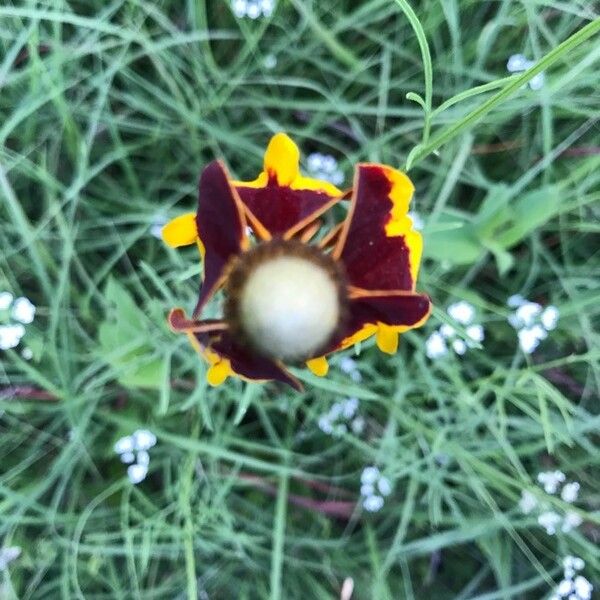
[221, 226]
[180, 231]
[377, 244]
[281, 199]
[242, 361]
[383, 313]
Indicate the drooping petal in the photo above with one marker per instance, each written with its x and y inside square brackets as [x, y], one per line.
[180, 231]
[243, 361]
[385, 314]
[221, 226]
[318, 366]
[281, 199]
[377, 245]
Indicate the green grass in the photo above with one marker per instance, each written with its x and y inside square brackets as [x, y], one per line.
[108, 111]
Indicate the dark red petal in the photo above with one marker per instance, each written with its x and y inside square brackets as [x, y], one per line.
[280, 208]
[221, 226]
[391, 309]
[372, 259]
[246, 362]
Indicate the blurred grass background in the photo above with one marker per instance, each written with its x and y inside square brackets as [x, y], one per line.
[108, 111]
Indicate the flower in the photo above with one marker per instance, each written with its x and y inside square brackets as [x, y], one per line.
[324, 166]
[517, 63]
[531, 321]
[463, 313]
[10, 335]
[6, 299]
[340, 416]
[23, 310]
[7, 555]
[252, 9]
[374, 487]
[549, 519]
[573, 587]
[135, 447]
[288, 300]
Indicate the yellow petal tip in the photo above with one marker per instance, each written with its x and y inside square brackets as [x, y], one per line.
[218, 373]
[180, 231]
[318, 366]
[282, 159]
[387, 339]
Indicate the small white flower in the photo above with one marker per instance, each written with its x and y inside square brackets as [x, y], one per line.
[6, 299]
[127, 457]
[459, 346]
[551, 480]
[325, 424]
[325, 167]
[270, 61]
[350, 407]
[27, 353]
[143, 439]
[373, 503]
[143, 458]
[537, 81]
[435, 346]
[267, 7]
[369, 475]
[384, 486]
[358, 425]
[516, 63]
[573, 562]
[447, 330]
[10, 335]
[335, 412]
[463, 312]
[137, 473]
[528, 502]
[239, 8]
[529, 339]
[8, 554]
[156, 228]
[583, 588]
[549, 520]
[527, 313]
[348, 364]
[124, 444]
[570, 492]
[417, 220]
[565, 587]
[23, 310]
[253, 10]
[515, 300]
[476, 333]
[571, 521]
[549, 317]
[367, 489]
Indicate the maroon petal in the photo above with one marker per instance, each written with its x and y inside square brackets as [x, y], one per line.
[221, 227]
[373, 258]
[246, 362]
[282, 208]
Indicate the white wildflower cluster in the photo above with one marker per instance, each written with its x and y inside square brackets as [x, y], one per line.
[417, 220]
[573, 585]
[156, 227]
[440, 341]
[7, 555]
[133, 450]
[531, 321]
[15, 313]
[517, 63]
[253, 9]
[325, 167]
[349, 366]
[373, 489]
[549, 519]
[341, 418]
